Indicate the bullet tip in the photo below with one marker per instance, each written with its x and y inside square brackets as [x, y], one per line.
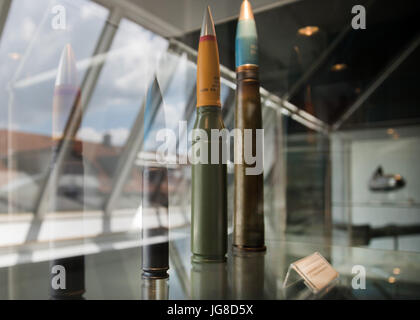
[67, 72]
[246, 11]
[207, 28]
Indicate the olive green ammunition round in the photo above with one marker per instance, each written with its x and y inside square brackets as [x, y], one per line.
[209, 190]
[209, 194]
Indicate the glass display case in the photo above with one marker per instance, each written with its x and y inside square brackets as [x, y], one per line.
[341, 146]
[116, 274]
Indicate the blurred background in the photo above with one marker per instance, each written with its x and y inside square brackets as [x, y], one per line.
[341, 117]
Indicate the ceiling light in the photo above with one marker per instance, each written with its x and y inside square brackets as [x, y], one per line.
[308, 31]
[338, 67]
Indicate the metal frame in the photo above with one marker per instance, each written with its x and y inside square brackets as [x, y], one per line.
[230, 103]
[4, 13]
[140, 16]
[159, 26]
[228, 77]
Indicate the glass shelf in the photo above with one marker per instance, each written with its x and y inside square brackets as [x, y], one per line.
[116, 274]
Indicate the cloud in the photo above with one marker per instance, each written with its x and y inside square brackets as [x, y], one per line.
[91, 10]
[118, 135]
[89, 134]
[28, 29]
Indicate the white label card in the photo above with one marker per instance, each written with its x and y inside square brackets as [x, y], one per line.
[315, 271]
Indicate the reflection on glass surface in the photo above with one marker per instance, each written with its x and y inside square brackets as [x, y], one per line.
[67, 280]
[248, 275]
[155, 289]
[209, 281]
[67, 175]
[337, 103]
[155, 202]
[116, 275]
[116, 102]
[27, 80]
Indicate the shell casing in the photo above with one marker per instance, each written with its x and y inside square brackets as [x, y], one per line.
[155, 256]
[248, 231]
[209, 193]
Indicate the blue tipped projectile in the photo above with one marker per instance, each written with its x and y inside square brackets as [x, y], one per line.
[246, 37]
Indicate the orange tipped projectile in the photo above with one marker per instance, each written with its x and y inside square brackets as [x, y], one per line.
[208, 68]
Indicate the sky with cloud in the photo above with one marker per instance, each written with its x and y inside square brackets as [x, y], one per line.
[36, 47]
[32, 48]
